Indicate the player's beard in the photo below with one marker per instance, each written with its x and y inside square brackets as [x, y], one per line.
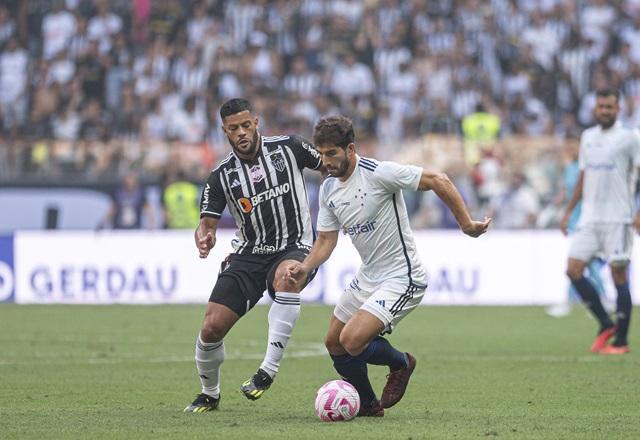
[248, 151]
[606, 122]
[342, 169]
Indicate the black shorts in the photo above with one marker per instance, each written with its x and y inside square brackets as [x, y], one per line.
[243, 278]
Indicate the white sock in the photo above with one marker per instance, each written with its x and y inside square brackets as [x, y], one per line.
[283, 315]
[209, 357]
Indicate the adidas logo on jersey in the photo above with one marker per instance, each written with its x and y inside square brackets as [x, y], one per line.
[235, 183]
[332, 205]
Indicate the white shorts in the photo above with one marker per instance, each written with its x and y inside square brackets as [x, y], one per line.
[389, 301]
[611, 241]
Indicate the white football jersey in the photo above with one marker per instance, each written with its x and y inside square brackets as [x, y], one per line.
[370, 209]
[609, 159]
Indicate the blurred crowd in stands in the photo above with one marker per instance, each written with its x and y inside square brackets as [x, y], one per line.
[92, 90]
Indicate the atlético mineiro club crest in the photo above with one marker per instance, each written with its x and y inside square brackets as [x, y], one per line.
[278, 162]
[256, 173]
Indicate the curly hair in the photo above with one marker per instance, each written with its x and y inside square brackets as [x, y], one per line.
[336, 130]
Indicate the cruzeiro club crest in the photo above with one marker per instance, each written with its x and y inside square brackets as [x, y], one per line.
[278, 162]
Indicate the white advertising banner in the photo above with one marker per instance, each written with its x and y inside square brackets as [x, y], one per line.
[500, 268]
[114, 267]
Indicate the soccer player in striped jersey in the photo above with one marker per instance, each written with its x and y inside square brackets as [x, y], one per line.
[609, 160]
[260, 182]
[363, 199]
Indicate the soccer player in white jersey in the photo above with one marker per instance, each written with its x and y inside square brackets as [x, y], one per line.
[609, 157]
[363, 199]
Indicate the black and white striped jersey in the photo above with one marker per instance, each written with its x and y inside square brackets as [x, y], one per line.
[266, 196]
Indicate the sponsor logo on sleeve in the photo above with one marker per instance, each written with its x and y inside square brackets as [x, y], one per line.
[205, 197]
[311, 150]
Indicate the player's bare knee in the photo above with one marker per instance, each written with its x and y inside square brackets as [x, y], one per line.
[351, 344]
[281, 280]
[571, 273]
[619, 273]
[212, 331]
[285, 285]
[575, 271]
[332, 342]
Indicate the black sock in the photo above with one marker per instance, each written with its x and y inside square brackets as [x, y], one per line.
[354, 371]
[623, 313]
[591, 299]
[381, 352]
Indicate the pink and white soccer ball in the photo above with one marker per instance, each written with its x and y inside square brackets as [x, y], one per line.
[337, 401]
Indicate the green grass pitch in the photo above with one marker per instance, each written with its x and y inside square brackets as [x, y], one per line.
[128, 372]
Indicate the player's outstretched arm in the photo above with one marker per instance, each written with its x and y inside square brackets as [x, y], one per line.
[449, 194]
[575, 198]
[320, 252]
[205, 235]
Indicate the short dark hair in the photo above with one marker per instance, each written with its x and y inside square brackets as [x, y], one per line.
[336, 130]
[603, 93]
[233, 106]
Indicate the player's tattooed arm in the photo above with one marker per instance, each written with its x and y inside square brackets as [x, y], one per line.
[449, 194]
[205, 235]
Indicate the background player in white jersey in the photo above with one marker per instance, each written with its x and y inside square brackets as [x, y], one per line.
[570, 177]
[260, 182]
[609, 156]
[363, 198]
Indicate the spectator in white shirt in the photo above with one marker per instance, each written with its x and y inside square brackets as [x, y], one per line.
[352, 78]
[58, 27]
[13, 84]
[154, 124]
[518, 207]
[103, 26]
[542, 39]
[598, 16]
[198, 26]
[66, 125]
[350, 9]
[61, 69]
[147, 85]
[189, 125]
